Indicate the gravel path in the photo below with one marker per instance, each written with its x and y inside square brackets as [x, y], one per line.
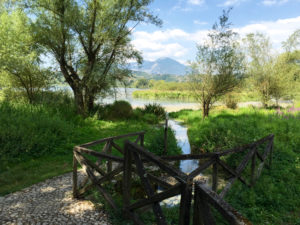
[49, 202]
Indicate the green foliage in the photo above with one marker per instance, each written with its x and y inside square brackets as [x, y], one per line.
[90, 41]
[156, 110]
[231, 101]
[20, 57]
[274, 199]
[219, 66]
[156, 143]
[121, 110]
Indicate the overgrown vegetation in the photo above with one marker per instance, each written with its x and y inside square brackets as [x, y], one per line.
[36, 141]
[274, 199]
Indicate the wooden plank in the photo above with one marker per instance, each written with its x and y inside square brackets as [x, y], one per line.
[137, 139]
[127, 176]
[253, 169]
[178, 175]
[117, 147]
[98, 154]
[228, 212]
[74, 187]
[238, 171]
[185, 204]
[107, 177]
[160, 218]
[111, 138]
[159, 181]
[231, 171]
[88, 171]
[104, 193]
[215, 177]
[175, 190]
[91, 164]
[247, 146]
[202, 167]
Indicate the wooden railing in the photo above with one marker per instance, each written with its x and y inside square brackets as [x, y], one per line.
[104, 155]
[136, 159]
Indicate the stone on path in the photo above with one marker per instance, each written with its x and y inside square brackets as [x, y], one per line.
[49, 202]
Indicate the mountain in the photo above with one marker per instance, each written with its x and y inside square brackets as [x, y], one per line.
[160, 66]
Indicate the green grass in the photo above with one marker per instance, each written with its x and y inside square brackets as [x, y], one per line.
[275, 197]
[36, 141]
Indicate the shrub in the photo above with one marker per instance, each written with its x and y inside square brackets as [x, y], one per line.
[150, 118]
[117, 110]
[156, 143]
[231, 101]
[155, 109]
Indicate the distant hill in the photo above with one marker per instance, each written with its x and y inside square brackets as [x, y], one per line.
[160, 66]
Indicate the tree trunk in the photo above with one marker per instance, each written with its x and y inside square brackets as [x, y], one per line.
[205, 110]
[79, 101]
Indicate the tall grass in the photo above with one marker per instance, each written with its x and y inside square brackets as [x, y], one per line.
[275, 197]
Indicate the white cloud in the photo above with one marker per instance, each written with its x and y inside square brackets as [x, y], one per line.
[181, 45]
[231, 3]
[198, 22]
[274, 2]
[196, 2]
[278, 30]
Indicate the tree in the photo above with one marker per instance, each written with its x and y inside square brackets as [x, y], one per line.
[89, 40]
[219, 66]
[286, 75]
[20, 57]
[260, 66]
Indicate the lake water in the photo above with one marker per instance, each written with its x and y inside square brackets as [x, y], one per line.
[169, 105]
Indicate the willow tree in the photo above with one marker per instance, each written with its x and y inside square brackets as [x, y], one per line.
[20, 57]
[89, 40]
[219, 66]
[261, 64]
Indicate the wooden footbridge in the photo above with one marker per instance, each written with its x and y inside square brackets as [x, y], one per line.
[136, 162]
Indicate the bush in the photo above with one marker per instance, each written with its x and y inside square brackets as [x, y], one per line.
[231, 101]
[150, 118]
[155, 109]
[156, 143]
[115, 111]
[27, 130]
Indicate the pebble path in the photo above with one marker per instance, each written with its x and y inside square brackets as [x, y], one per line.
[49, 202]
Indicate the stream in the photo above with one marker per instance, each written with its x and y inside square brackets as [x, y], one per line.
[182, 138]
[186, 166]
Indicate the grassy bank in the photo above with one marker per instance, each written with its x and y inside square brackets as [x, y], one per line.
[36, 141]
[275, 197]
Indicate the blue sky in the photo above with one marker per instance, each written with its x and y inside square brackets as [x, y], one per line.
[186, 23]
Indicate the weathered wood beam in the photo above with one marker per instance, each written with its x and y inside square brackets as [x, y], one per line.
[111, 138]
[202, 167]
[173, 191]
[98, 154]
[228, 212]
[178, 175]
[160, 218]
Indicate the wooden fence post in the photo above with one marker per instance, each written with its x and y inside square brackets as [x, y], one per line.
[166, 137]
[185, 203]
[127, 175]
[215, 176]
[108, 151]
[253, 169]
[75, 194]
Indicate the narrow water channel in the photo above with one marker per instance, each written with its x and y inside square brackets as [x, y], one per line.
[182, 138]
[186, 166]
